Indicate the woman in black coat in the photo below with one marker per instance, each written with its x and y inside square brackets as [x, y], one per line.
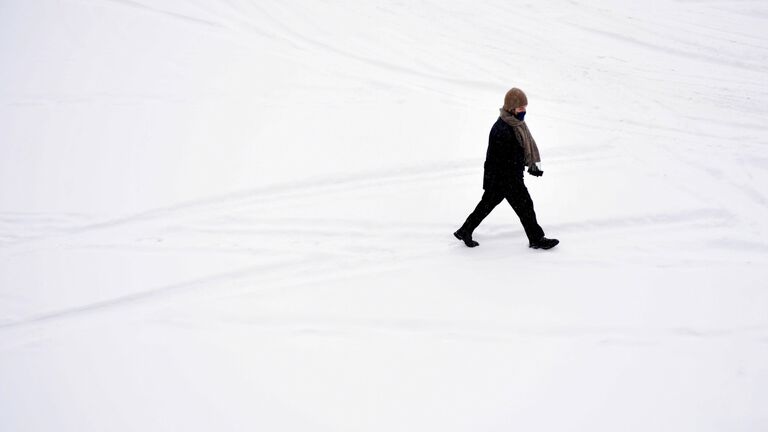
[510, 149]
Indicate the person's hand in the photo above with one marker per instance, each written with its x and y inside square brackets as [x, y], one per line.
[535, 171]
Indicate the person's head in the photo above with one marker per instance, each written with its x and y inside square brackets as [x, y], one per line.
[515, 101]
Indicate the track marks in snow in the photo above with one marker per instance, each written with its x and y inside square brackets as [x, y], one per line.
[477, 331]
[312, 248]
[197, 286]
[675, 52]
[315, 248]
[699, 217]
[259, 279]
[17, 227]
[341, 252]
[181, 17]
[266, 196]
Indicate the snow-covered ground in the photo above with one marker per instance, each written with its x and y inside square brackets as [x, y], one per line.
[237, 216]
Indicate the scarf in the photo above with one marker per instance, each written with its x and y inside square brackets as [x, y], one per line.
[524, 137]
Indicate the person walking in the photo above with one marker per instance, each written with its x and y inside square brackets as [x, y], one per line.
[511, 148]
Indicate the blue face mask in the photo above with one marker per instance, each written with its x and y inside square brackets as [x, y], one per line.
[520, 116]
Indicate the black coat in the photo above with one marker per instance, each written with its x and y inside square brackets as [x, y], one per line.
[505, 158]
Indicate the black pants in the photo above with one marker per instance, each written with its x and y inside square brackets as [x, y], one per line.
[518, 197]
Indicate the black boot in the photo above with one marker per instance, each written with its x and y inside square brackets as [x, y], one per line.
[544, 243]
[466, 238]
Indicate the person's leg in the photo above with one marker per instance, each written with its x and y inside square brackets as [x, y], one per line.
[520, 200]
[491, 198]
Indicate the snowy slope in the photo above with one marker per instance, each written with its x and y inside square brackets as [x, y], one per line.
[238, 215]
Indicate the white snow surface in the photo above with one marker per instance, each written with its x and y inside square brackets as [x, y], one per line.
[238, 215]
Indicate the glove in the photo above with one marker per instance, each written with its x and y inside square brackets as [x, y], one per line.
[535, 171]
